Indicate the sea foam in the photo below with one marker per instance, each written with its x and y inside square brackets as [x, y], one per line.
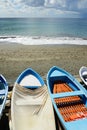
[36, 40]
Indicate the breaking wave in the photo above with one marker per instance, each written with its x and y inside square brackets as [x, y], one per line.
[41, 40]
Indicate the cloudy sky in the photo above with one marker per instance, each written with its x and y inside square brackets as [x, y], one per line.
[43, 8]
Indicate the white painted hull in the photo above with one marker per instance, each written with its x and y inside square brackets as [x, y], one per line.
[83, 74]
[30, 111]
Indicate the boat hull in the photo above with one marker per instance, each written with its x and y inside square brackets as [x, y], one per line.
[69, 98]
[3, 93]
[83, 74]
[28, 110]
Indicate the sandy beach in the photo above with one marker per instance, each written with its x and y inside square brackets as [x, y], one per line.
[14, 58]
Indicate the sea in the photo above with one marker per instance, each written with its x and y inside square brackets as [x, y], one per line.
[43, 31]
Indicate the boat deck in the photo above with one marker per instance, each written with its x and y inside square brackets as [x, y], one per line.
[71, 107]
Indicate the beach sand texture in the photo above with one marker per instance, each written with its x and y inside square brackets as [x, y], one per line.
[14, 58]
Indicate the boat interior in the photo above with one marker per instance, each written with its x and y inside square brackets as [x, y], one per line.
[70, 101]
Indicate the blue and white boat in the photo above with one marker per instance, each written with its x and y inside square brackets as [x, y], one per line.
[69, 99]
[31, 106]
[83, 74]
[3, 93]
[30, 79]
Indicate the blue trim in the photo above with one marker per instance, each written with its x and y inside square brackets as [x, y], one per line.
[26, 73]
[66, 94]
[3, 92]
[55, 74]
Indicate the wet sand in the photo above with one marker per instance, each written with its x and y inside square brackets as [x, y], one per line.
[14, 58]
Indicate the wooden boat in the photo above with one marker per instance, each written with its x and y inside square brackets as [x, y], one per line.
[69, 99]
[31, 106]
[3, 93]
[83, 74]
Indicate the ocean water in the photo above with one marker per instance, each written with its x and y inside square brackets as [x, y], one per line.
[39, 31]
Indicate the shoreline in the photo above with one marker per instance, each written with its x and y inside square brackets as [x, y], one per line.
[43, 40]
[14, 58]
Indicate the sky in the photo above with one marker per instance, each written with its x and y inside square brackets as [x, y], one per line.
[43, 8]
